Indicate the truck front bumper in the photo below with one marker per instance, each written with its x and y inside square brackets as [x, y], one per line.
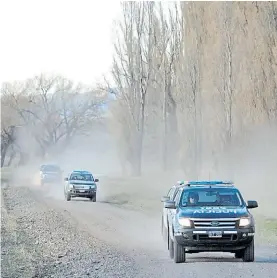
[82, 192]
[51, 179]
[200, 240]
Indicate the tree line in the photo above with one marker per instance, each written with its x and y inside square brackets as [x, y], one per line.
[189, 78]
[192, 78]
[43, 114]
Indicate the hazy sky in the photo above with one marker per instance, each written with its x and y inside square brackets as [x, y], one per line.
[69, 37]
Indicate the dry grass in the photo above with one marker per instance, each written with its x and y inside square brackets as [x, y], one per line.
[145, 193]
[136, 193]
[266, 228]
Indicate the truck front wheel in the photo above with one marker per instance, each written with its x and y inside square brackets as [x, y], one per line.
[179, 253]
[93, 198]
[248, 253]
[68, 197]
[239, 254]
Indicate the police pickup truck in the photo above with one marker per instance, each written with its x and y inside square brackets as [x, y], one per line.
[50, 173]
[80, 184]
[209, 216]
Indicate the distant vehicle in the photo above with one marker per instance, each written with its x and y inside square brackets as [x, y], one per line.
[50, 173]
[210, 216]
[80, 184]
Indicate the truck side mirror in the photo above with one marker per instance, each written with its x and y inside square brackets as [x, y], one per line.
[252, 204]
[165, 198]
[170, 205]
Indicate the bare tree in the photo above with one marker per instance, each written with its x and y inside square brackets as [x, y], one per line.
[132, 72]
[10, 121]
[7, 140]
[167, 42]
[189, 75]
[52, 110]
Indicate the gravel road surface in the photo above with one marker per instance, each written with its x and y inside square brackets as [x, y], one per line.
[45, 236]
[41, 240]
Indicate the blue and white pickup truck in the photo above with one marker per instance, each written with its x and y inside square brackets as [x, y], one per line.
[208, 216]
[80, 184]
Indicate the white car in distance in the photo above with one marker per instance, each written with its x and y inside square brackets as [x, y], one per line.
[80, 184]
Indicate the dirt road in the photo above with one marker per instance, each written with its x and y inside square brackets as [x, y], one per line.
[133, 243]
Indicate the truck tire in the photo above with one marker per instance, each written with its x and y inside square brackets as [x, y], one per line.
[248, 253]
[93, 199]
[179, 253]
[164, 233]
[68, 197]
[239, 254]
[162, 227]
[170, 247]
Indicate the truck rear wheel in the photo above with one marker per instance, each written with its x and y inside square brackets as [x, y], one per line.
[162, 227]
[179, 253]
[164, 233]
[248, 253]
[170, 247]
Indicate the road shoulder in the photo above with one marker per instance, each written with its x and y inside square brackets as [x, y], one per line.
[39, 241]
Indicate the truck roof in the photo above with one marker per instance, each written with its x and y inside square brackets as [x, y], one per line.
[81, 172]
[206, 183]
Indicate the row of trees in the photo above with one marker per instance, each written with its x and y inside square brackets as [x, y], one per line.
[43, 114]
[191, 78]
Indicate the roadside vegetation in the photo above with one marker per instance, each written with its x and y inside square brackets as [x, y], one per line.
[192, 94]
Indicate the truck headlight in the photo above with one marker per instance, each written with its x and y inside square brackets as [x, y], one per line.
[244, 221]
[71, 186]
[185, 222]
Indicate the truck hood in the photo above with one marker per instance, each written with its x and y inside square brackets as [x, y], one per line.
[82, 182]
[51, 173]
[212, 212]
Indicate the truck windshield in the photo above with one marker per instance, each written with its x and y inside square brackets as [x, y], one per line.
[50, 168]
[81, 176]
[211, 197]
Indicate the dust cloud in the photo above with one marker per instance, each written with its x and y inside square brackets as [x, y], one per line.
[95, 152]
[251, 163]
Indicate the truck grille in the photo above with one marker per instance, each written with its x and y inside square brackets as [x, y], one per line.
[223, 238]
[79, 191]
[223, 223]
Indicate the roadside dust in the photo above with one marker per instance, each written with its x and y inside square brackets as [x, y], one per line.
[250, 163]
[127, 214]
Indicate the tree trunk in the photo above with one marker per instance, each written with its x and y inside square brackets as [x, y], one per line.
[12, 157]
[172, 133]
[164, 150]
[137, 161]
[4, 149]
